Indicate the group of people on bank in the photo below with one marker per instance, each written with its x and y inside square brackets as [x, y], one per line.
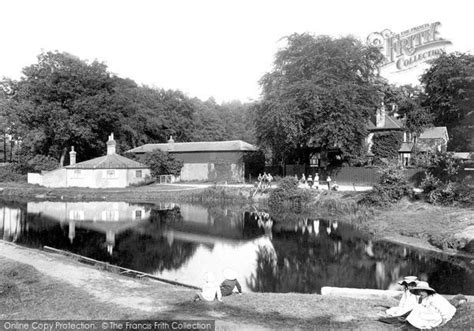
[314, 182]
[420, 306]
[265, 180]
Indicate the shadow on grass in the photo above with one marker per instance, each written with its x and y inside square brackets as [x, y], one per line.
[271, 319]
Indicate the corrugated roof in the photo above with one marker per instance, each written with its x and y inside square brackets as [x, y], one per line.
[112, 161]
[434, 132]
[201, 146]
[406, 148]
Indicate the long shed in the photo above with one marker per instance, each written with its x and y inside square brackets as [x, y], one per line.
[205, 160]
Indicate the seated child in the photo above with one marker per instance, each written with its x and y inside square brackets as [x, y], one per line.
[210, 290]
[230, 282]
[408, 299]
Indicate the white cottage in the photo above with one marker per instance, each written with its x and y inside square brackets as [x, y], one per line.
[109, 171]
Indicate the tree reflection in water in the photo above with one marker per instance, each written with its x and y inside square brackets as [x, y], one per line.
[311, 254]
[273, 254]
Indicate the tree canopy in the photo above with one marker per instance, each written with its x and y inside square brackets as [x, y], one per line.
[320, 89]
[63, 101]
[449, 88]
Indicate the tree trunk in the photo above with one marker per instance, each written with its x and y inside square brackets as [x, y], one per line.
[63, 156]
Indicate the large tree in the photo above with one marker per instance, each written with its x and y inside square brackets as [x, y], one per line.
[408, 100]
[320, 89]
[64, 101]
[449, 88]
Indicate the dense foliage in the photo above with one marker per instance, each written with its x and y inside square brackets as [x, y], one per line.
[443, 185]
[449, 88]
[407, 102]
[10, 173]
[391, 187]
[386, 145]
[63, 101]
[162, 163]
[287, 196]
[321, 90]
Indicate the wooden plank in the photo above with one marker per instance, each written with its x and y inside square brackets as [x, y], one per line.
[120, 270]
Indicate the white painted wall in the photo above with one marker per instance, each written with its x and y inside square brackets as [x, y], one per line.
[104, 178]
[195, 171]
[93, 178]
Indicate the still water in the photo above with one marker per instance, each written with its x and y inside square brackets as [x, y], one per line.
[183, 242]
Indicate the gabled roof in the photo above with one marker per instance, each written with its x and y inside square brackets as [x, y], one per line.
[111, 161]
[202, 146]
[406, 148]
[391, 123]
[434, 133]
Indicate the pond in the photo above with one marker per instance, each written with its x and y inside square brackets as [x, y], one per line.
[181, 242]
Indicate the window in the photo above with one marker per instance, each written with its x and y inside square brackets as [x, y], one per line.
[138, 174]
[110, 173]
[77, 173]
[76, 215]
[138, 214]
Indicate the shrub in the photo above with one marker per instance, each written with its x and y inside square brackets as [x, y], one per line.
[42, 163]
[162, 163]
[288, 196]
[392, 186]
[10, 173]
[442, 184]
[218, 194]
[449, 194]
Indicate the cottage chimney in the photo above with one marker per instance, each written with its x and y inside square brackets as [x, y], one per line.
[380, 117]
[72, 156]
[171, 144]
[111, 145]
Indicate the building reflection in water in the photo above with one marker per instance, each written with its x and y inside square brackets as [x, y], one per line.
[11, 223]
[184, 242]
[109, 218]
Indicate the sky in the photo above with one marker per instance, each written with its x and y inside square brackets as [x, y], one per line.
[207, 48]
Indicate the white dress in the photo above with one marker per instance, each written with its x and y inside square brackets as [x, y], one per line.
[210, 291]
[407, 302]
[432, 312]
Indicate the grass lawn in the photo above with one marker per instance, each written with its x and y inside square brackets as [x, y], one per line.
[25, 293]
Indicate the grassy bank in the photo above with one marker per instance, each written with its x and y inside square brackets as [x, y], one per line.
[35, 295]
[25, 293]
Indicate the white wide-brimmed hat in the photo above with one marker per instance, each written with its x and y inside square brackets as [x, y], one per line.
[408, 280]
[229, 274]
[422, 286]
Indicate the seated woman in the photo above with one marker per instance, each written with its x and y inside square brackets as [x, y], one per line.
[433, 311]
[408, 299]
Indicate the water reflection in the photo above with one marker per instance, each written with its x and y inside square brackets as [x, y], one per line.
[182, 242]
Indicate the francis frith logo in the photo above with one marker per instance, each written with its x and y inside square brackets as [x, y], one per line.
[409, 48]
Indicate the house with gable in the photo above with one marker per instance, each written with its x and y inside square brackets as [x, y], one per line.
[432, 139]
[384, 123]
[109, 171]
[205, 160]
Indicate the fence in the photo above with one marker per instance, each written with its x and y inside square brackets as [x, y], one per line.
[350, 175]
